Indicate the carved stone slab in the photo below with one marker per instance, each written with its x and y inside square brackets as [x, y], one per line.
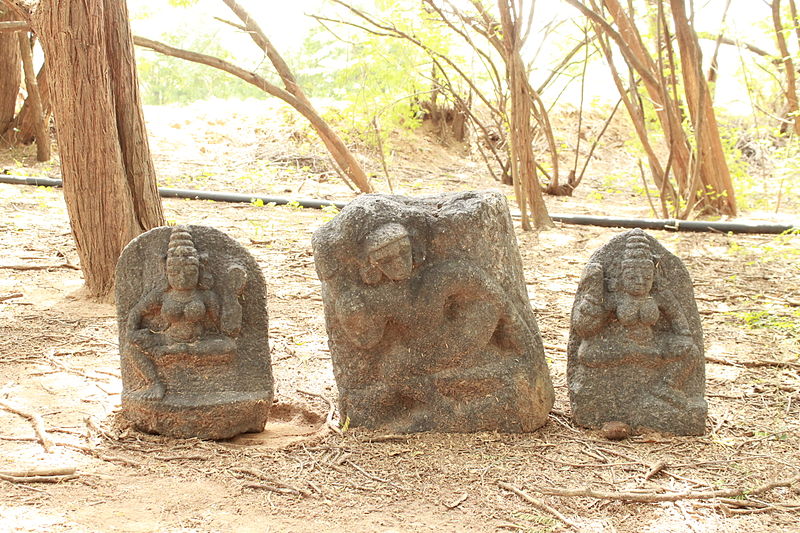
[636, 343]
[192, 316]
[428, 318]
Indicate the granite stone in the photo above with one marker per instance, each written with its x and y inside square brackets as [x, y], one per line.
[193, 337]
[428, 318]
[635, 351]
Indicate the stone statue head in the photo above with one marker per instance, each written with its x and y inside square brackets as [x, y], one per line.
[183, 261]
[388, 251]
[638, 268]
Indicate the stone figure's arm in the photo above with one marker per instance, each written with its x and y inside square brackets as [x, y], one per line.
[231, 314]
[211, 301]
[590, 315]
[458, 303]
[147, 305]
[669, 305]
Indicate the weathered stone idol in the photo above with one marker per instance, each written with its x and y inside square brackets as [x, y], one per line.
[636, 344]
[428, 318]
[191, 309]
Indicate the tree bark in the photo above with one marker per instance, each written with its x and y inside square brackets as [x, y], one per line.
[666, 109]
[23, 128]
[42, 135]
[788, 66]
[132, 134]
[109, 183]
[717, 188]
[526, 182]
[9, 73]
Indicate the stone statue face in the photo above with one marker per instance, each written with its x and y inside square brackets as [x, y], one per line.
[637, 277]
[393, 259]
[389, 251]
[183, 276]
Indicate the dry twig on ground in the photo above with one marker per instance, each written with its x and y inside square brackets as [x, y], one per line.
[539, 504]
[39, 475]
[36, 421]
[652, 497]
[331, 409]
[270, 483]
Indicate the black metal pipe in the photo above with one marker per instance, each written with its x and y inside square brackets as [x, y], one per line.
[586, 220]
[677, 225]
[245, 198]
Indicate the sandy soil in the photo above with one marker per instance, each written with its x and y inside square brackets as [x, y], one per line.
[58, 358]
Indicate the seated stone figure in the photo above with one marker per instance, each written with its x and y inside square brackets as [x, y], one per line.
[636, 348]
[184, 318]
[428, 318]
[193, 334]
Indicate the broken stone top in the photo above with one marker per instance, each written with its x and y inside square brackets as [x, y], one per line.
[427, 314]
[636, 344]
[193, 333]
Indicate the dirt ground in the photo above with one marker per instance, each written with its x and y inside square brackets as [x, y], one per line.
[59, 359]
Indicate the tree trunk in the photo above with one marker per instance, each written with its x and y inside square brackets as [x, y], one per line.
[136, 160]
[788, 66]
[23, 128]
[42, 133]
[666, 109]
[109, 183]
[526, 183]
[716, 190]
[10, 68]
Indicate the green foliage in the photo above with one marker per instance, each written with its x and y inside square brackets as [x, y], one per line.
[378, 81]
[537, 523]
[786, 322]
[370, 76]
[784, 247]
[169, 80]
[330, 212]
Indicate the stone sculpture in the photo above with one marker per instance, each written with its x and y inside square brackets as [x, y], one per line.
[636, 344]
[428, 317]
[191, 309]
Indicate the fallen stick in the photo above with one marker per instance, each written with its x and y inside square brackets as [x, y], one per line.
[5, 297]
[373, 477]
[37, 479]
[461, 499]
[644, 497]
[272, 488]
[539, 504]
[271, 484]
[36, 421]
[40, 267]
[554, 347]
[34, 472]
[103, 457]
[388, 438]
[758, 363]
[655, 469]
[331, 409]
[80, 448]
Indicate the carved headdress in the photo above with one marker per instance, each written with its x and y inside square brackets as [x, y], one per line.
[181, 250]
[637, 251]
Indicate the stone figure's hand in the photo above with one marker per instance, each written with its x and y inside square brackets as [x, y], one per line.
[143, 338]
[591, 286]
[237, 277]
[591, 307]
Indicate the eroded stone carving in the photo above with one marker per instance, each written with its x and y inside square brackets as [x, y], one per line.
[193, 334]
[636, 344]
[428, 317]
